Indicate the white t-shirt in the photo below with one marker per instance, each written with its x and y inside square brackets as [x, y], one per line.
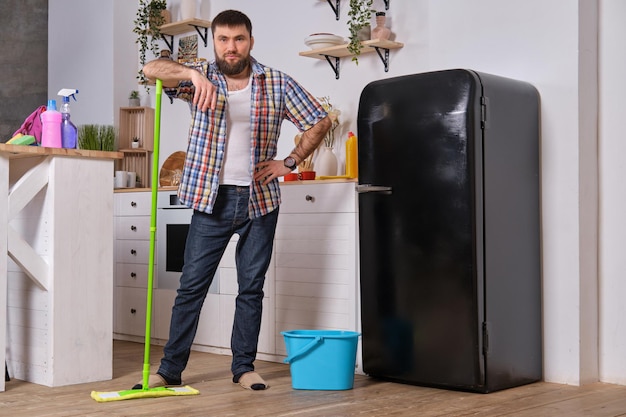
[236, 168]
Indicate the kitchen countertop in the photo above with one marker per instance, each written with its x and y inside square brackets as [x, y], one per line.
[326, 181]
[173, 188]
[143, 189]
[21, 151]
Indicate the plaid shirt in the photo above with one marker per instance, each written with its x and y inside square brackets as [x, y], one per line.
[275, 97]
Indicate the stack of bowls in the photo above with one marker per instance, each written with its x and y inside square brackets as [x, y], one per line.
[323, 40]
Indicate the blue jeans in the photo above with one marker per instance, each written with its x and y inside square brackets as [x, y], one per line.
[208, 237]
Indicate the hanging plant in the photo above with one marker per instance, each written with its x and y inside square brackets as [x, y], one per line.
[359, 16]
[149, 19]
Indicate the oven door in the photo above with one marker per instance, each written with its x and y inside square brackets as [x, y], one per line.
[173, 220]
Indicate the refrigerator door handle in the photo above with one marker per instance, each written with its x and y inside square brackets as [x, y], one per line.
[369, 188]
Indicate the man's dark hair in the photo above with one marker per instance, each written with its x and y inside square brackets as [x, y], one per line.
[231, 18]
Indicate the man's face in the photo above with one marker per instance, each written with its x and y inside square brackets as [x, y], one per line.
[232, 46]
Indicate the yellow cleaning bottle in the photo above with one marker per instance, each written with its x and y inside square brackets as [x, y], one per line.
[352, 165]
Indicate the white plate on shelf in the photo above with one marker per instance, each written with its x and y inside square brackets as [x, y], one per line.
[323, 40]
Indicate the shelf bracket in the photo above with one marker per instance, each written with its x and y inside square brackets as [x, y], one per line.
[385, 58]
[169, 44]
[203, 36]
[336, 7]
[386, 6]
[334, 66]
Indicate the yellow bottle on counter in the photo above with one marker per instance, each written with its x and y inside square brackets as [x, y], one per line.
[352, 165]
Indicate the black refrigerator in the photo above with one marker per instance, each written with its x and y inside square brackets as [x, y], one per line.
[449, 230]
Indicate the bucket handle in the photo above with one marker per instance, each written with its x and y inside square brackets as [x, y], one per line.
[317, 340]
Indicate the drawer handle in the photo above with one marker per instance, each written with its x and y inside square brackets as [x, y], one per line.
[133, 311]
[133, 252]
[309, 198]
[133, 275]
[133, 204]
[133, 228]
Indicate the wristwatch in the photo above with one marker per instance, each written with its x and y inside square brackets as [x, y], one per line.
[290, 163]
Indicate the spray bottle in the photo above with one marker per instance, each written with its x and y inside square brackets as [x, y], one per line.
[69, 132]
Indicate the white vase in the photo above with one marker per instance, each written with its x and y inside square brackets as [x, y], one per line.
[188, 9]
[326, 162]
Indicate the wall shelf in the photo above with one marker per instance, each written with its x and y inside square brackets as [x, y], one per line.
[136, 122]
[185, 26]
[138, 161]
[334, 53]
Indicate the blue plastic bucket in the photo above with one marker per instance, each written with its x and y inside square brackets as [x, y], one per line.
[321, 359]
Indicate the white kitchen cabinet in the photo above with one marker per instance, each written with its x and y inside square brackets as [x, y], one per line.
[56, 268]
[316, 258]
[132, 251]
[130, 311]
[312, 282]
[132, 245]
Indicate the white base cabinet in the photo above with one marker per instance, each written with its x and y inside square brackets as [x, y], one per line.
[316, 260]
[132, 245]
[132, 249]
[56, 229]
[311, 282]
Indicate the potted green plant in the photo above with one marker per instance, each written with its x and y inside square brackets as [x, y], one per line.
[150, 18]
[96, 137]
[133, 99]
[106, 136]
[359, 16]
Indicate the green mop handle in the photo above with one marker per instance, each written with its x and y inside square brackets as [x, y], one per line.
[153, 215]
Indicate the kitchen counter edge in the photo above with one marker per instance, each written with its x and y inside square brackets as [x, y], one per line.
[282, 183]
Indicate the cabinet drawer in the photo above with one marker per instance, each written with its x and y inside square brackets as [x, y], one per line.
[132, 251]
[132, 275]
[130, 311]
[133, 204]
[132, 227]
[318, 198]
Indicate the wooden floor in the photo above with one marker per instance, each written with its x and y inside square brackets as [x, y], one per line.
[220, 397]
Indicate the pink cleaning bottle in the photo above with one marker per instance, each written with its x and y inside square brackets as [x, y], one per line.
[51, 126]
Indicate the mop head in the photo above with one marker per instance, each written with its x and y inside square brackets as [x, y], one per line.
[142, 393]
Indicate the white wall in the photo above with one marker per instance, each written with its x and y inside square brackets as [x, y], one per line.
[91, 48]
[80, 55]
[519, 40]
[549, 44]
[612, 192]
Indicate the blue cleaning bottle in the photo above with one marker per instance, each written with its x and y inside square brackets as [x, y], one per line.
[69, 132]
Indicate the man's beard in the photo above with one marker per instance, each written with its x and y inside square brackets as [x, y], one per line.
[232, 69]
